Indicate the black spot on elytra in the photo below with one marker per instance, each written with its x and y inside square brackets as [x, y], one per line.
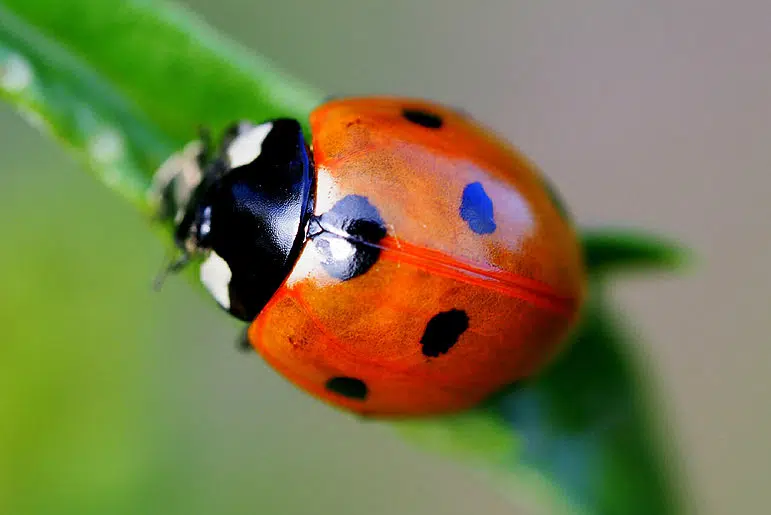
[422, 118]
[347, 236]
[243, 344]
[348, 387]
[476, 208]
[443, 331]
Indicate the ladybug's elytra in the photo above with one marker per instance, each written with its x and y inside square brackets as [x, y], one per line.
[406, 262]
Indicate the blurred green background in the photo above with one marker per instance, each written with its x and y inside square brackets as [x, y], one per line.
[116, 399]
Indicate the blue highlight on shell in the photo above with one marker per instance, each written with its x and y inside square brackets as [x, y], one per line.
[476, 209]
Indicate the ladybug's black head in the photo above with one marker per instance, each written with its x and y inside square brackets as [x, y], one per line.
[247, 212]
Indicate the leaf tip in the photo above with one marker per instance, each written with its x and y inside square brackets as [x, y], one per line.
[611, 250]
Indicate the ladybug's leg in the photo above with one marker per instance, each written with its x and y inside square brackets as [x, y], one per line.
[243, 344]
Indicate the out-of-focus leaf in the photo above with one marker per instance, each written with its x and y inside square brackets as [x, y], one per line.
[476, 435]
[124, 84]
[609, 250]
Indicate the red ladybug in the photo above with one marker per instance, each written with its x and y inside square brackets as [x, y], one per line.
[407, 262]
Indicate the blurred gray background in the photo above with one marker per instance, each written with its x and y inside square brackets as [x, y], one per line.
[649, 114]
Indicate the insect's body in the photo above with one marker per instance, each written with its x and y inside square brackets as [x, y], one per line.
[428, 267]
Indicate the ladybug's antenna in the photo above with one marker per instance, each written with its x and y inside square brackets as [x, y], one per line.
[172, 265]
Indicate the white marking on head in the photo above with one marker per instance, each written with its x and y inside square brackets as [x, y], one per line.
[247, 147]
[215, 276]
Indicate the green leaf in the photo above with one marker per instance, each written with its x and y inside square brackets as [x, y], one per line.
[616, 249]
[475, 435]
[124, 84]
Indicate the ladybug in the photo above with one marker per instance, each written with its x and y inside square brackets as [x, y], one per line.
[404, 262]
